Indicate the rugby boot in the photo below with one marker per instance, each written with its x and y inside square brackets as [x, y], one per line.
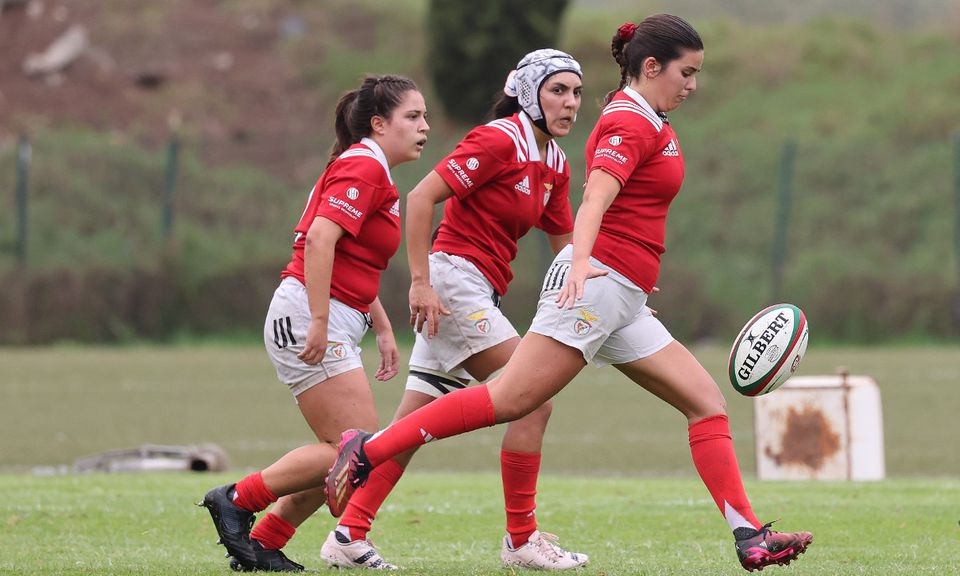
[267, 561]
[349, 472]
[339, 552]
[541, 552]
[233, 525]
[763, 547]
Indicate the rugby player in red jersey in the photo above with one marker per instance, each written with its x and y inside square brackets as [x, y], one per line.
[597, 310]
[327, 299]
[503, 179]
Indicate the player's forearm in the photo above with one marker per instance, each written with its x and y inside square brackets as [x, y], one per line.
[379, 318]
[599, 194]
[419, 221]
[318, 254]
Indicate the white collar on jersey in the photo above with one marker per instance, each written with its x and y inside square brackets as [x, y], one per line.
[644, 104]
[533, 149]
[378, 152]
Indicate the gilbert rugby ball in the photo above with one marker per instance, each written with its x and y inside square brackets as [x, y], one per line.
[768, 350]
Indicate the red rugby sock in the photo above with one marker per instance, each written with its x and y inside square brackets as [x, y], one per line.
[273, 532]
[519, 471]
[252, 494]
[716, 461]
[366, 501]
[457, 412]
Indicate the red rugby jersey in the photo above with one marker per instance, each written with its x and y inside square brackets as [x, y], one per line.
[501, 189]
[357, 193]
[638, 148]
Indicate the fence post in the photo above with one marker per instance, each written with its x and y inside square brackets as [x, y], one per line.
[956, 230]
[784, 201]
[24, 153]
[170, 185]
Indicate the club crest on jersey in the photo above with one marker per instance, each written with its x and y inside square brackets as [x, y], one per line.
[583, 325]
[395, 209]
[523, 186]
[671, 149]
[615, 140]
[546, 195]
[338, 350]
[473, 163]
[353, 193]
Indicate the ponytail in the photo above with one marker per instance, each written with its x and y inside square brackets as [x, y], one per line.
[341, 124]
[504, 106]
[620, 39]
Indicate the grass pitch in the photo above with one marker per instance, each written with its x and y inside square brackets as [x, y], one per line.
[618, 483]
[451, 524]
[58, 404]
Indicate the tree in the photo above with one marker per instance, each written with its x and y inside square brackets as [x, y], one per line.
[473, 45]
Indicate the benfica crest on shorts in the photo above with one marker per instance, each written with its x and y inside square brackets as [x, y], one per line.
[583, 325]
[338, 350]
[480, 321]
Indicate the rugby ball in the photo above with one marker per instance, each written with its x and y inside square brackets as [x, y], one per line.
[768, 350]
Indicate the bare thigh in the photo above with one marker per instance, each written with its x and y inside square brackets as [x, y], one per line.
[482, 364]
[538, 369]
[342, 402]
[524, 434]
[674, 375]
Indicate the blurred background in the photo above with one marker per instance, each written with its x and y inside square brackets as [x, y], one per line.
[155, 156]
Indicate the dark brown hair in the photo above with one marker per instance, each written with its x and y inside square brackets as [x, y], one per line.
[662, 36]
[503, 106]
[376, 96]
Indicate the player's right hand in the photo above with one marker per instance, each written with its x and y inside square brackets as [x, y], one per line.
[425, 308]
[315, 347]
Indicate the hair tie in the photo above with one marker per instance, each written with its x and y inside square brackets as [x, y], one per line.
[510, 86]
[626, 31]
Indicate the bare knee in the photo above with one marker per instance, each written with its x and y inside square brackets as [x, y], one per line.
[510, 411]
[708, 408]
[541, 415]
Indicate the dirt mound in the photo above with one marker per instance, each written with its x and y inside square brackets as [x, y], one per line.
[220, 72]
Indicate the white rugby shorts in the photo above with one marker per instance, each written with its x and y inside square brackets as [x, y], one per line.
[475, 322]
[285, 332]
[611, 324]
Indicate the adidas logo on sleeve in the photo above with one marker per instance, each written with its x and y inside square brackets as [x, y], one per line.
[671, 149]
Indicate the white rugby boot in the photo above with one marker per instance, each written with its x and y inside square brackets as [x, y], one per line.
[339, 553]
[541, 553]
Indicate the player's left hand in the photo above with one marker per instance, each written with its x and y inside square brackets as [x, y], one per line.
[652, 292]
[572, 289]
[389, 356]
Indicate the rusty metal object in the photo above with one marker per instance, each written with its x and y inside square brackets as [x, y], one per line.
[807, 439]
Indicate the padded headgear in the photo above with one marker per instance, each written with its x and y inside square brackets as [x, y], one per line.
[532, 71]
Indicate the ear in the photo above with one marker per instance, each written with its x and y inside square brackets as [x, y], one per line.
[650, 67]
[378, 124]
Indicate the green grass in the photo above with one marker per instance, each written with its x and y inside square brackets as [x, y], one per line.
[443, 524]
[61, 403]
[617, 484]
